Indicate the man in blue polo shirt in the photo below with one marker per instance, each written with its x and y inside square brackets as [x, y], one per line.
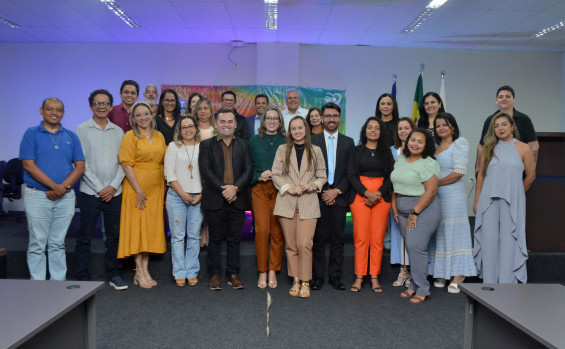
[53, 161]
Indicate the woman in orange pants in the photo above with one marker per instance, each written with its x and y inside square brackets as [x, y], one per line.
[369, 175]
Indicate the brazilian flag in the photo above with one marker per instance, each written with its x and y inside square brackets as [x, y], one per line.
[418, 95]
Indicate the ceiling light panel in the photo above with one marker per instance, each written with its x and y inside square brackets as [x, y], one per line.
[114, 7]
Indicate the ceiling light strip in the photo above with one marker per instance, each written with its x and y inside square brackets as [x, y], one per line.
[423, 16]
[120, 13]
[10, 23]
[271, 14]
[549, 29]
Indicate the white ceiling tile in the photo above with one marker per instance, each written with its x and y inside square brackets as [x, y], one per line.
[207, 35]
[341, 37]
[357, 16]
[300, 36]
[204, 14]
[496, 21]
[176, 35]
[374, 38]
[257, 35]
[308, 16]
[247, 15]
[532, 5]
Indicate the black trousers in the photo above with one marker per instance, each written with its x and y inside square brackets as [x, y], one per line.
[90, 209]
[224, 223]
[331, 224]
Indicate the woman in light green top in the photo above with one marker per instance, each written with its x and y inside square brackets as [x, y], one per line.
[416, 208]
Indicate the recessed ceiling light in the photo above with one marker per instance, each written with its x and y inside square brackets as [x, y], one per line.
[10, 23]
[120, 13]
[271, 14]
[423, 16]
[549, 29]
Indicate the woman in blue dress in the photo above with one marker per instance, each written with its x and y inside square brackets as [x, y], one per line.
[500, 204]
[451, 250]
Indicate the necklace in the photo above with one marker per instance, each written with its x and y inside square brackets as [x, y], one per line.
[271, 142]
[190, 167]
[53, 139]
[299, 146]
[372, 151]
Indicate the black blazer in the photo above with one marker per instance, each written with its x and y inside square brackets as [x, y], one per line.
[345, 147]
[211, 163]
[353, 175]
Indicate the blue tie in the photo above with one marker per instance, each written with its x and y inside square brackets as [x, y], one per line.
[331, 160]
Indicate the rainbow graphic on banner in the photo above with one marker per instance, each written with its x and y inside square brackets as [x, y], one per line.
[311, 97]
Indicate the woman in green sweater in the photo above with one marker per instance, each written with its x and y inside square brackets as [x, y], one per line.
[263, 147]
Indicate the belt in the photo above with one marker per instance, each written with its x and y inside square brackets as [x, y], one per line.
[406, 196]
[34, 188]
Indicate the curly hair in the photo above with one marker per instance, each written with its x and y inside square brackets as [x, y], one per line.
[429, 148]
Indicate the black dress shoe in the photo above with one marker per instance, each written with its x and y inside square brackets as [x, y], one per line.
[336, 283]
[316, 284]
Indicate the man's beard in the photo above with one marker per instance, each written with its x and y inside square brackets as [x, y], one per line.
[151, 101]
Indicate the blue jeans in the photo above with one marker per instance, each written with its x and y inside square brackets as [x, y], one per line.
[47, 222]
[185, 221]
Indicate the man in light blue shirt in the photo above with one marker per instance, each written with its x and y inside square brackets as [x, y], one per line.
[254, 121]
[101, 187]
[53, 161]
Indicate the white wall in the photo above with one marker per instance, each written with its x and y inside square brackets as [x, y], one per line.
[31, 72]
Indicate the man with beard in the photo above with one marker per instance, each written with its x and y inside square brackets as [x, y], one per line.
[334, 203]
[226, 170]
[151, 97]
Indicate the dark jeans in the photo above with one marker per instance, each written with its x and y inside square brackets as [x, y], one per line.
[90, 209]
[330, 224]
[225, 222]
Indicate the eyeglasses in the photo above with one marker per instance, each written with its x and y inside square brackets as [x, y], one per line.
[228, 100]
[271, 119]
[101, 104]
[138, 115]
[169, 100]
[186, 128]
[332, 116]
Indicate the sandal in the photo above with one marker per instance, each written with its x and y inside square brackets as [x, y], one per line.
[273, 284]
[403, 277]
[294, 291]
[193, 282]
[453, 287]
[262, 283]
[439, 283]
[376, 289]
[407, 294]
[180, 282]
[355, 288]
[304, 293]
[419, 299]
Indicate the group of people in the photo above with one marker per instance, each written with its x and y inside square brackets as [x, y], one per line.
[300, 176]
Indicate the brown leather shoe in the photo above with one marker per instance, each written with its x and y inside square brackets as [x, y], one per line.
[235, 282]
[215, 283]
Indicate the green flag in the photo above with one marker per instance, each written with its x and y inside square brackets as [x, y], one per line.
[418, 95]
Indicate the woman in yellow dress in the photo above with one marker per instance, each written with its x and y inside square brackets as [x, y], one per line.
[141, 223]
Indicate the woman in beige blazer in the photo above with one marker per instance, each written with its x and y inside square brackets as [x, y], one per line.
[298, 172]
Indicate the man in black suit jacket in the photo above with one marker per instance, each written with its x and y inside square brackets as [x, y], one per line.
[254, 121]
[226, 170]
[242, 127]
[334, 202]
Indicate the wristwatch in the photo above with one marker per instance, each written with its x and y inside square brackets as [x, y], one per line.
[414, 212]
[339, 192]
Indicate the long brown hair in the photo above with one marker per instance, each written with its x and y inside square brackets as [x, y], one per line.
[134, 127]
[290, 144]
[491, 140]
[263, 130]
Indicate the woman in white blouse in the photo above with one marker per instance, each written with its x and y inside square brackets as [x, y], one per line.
[183, 200]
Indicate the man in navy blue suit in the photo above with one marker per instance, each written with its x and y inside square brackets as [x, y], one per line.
[254, 121]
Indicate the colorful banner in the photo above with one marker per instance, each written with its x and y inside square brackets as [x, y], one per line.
[245, 104]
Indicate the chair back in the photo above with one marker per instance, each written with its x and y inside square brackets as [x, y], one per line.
[14, 176]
